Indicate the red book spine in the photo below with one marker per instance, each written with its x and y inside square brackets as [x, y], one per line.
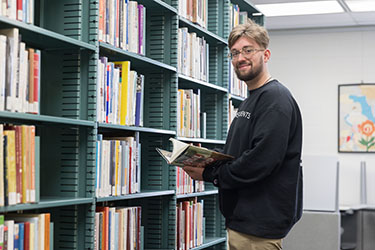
[36, 76]
[26, 242]
[19, 10]
[105, 236]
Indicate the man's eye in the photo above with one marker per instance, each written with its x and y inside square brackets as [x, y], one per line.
[248, 51]
[235, 53]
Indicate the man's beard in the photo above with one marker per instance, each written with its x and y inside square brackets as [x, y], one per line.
[251, 74]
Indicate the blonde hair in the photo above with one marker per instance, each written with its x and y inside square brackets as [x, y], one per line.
[250, 30]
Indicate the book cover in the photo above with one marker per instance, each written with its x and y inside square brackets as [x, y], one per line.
[124, 67]
[184, 154]
[25, 166]
[23, 78]
[10, 236]
[26, 235]
[47, 229]
[98, 156]
[1, 232]
[18, 131]
[12, 9]
[141, 29]
[139, 101]
[101, 233]
[21, 228]
[37, 63]
[32, 154]
[33, 240]
[104, 228]
[101, 20]
[133, 26]
[12, 66]
[2, 201]
[3, 65]
[11, 167]
[5, 237]
[5, 174]
[16, 237]
[96, 231]
[30, 81]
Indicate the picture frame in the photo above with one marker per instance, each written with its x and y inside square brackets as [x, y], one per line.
[356, 118]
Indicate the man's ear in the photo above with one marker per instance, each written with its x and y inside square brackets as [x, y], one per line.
[267, 55]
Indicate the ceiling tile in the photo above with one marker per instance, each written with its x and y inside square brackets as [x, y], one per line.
[281, 1]
[309, 21]
[316, 21]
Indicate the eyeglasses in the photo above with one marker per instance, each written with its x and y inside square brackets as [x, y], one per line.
[245, 51]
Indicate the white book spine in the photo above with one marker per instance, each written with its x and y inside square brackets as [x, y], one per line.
[12, 9]
[10, 225]
[3, 65]
[25, 70]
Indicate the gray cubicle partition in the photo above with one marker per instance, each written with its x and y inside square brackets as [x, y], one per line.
[319, 227]
[315, 231]
[358, 229]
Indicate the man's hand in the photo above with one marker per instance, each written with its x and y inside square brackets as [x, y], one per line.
[194, 172]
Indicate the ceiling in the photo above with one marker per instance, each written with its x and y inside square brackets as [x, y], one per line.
[345, 19]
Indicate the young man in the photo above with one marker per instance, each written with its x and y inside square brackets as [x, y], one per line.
[261, 190]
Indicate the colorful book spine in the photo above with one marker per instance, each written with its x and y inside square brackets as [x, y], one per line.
[21, 227]
[2, 197]
[1, 232]
[11, 167]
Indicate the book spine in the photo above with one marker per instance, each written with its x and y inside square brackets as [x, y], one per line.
[11, 167]
[21, 227]
[18, 134]
[2, 232]
[140, 27]
[3, 69]
[31, 132]
[36, 82]
[2, 198]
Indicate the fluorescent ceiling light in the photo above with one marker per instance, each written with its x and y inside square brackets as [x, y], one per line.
[361, 5]
[300, 8]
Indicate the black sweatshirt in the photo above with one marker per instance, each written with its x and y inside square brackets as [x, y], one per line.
[260, 191]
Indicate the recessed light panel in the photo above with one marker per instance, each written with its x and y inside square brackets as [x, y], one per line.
[300, 8]
[361, 5]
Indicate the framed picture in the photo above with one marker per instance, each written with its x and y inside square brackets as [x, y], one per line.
[356, 119]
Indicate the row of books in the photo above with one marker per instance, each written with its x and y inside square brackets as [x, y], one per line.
[190, 224]
[118, 166]
[19, 74]
[194, 10]
[122, 24]
[17, 164]
[120, 93]
[118, 228]
[21, 10]
[236, 16]
[188, 113]
[236, 86]
[26, 231]
[192, 55]
[185, 184]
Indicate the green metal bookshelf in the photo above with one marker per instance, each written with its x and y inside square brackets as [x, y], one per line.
[137, 61]
[67, 33]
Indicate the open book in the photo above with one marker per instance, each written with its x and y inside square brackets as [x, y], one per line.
[184, 154]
